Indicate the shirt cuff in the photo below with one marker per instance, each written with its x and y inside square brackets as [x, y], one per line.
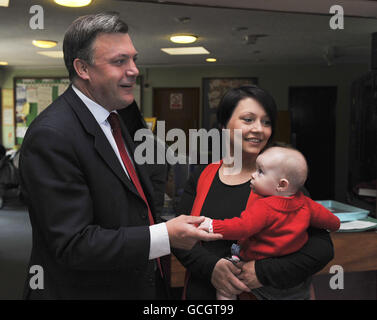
[210, 227]
[160, 244]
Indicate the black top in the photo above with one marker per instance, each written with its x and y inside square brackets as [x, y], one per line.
[219, 206]
[225, 201]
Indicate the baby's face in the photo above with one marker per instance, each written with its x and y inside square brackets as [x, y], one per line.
[265, 180]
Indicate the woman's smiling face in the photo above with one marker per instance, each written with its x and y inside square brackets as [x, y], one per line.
[251, 118]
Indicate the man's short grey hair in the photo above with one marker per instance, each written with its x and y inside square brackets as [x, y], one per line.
[81, 34]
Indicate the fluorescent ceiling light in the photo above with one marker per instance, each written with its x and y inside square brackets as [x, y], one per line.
[211, 59]
[45, 44]
[183, 38]
[3, 63]
[52, 54]
[4, 3]
[185, 50]
[73, 3]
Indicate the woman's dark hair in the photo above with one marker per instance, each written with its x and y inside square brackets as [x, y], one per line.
[232, 97]
[81, 34]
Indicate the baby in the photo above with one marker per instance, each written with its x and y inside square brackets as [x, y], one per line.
[277, 214]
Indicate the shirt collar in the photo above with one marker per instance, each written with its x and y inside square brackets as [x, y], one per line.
[100, 113]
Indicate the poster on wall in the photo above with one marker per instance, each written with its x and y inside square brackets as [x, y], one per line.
[32, 96]
[213, 91]
[7, 118]
[176, 101]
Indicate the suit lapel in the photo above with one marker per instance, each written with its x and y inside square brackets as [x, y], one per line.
[101, 144]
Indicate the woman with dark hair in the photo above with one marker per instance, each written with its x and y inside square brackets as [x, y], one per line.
[213, 192]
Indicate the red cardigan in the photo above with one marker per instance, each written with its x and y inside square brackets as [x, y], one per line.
[275, 226]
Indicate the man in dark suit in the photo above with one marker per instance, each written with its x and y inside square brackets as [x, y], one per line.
[90, 203]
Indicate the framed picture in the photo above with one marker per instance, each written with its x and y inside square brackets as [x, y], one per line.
[151, 123]
[213, 91]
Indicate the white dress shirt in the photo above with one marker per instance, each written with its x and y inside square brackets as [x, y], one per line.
[159, 238]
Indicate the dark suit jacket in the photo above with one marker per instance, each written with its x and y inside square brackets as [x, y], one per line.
[158, 173]
[90, 226]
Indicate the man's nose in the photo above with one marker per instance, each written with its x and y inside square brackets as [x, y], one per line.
[132, 70]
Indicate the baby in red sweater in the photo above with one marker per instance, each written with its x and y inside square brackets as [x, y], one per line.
[277, 214]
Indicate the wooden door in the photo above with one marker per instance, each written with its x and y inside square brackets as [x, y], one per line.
[312, 112]
[178, 107]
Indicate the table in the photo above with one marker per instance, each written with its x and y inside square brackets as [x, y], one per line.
[354, 251]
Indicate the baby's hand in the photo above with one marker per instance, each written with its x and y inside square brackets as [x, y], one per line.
[206, 225]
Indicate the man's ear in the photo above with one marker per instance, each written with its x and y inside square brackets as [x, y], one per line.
[283, 185]
[81, 68]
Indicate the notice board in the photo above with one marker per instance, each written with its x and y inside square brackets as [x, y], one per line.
[31, 97]
[7, 118]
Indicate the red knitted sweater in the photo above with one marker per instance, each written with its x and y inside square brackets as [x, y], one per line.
[275, 226]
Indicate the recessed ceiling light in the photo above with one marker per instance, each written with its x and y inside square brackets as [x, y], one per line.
[52, 54]
[73, 3]
[4, 3]
[45, 44]
[211, 59]
[183, 38]
[185, 50]
[3, 63]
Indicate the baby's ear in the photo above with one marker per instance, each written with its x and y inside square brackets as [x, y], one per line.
[283, 185]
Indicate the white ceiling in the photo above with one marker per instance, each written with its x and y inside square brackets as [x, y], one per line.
[300, 36]
[357, 8]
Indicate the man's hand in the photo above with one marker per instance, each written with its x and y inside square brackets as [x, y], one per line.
[183, 233]
[206, 225]
[224, 278]
[248, 275]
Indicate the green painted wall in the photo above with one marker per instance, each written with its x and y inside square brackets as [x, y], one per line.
[275, 78]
